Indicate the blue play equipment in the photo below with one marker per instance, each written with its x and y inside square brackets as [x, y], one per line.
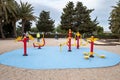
[50, 57]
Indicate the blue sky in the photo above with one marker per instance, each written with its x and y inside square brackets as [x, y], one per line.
[102, 9]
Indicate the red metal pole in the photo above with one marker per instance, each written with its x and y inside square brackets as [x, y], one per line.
[25, 46]
[78, 37]
[91, 49]
[92, 46]
[69, 45]
[69, 42]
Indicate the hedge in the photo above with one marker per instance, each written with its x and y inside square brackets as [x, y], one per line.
[101, 36]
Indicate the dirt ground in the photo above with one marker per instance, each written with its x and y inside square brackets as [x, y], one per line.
[13, 73]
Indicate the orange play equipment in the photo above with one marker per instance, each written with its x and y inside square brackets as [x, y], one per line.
[38, 44]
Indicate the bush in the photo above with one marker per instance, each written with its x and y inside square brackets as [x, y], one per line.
[51, 35]
[100, 36]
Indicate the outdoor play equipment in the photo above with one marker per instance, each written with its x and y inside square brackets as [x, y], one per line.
[24, 40]
[69, 40]
[92, 39]
[68, 43]
[78, 37]
[91, 53]
[38, 44]
[21, 37]
[25, 46]
[77, 41]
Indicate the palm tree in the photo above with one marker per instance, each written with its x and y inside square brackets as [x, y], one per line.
[16, 17]
[25, 13]
[3, 15]
[7, 10]
[115, 19]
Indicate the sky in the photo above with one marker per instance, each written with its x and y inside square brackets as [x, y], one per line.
[102, 9]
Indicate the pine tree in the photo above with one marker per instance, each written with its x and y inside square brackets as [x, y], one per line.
[78, 18]
[83, 20]
[67, 16]
[44, 23]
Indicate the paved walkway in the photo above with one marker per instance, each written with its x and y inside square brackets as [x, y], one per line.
[12, 73]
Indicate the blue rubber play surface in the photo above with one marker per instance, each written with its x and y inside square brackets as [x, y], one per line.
[51, 58]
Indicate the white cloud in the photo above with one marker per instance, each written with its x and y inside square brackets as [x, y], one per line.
[91, 3]
[59, 4]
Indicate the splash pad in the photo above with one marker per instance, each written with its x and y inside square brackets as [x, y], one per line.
[50, 57]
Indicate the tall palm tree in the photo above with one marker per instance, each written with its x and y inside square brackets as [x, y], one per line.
[3, 15]
[15, 18]
[25, 13]
[6, 11]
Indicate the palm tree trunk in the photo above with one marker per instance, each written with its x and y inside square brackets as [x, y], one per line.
[14, 28]
[23, 25]
[1, 30]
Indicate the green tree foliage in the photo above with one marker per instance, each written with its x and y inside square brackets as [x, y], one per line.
[27, 25]
[99, 30]
[82, 17]
[13, 19]
[34, 29]
[44, 23]
[67, 17]
[8, 30]
[115, 19]
[10, 13]
[25, 13]
[78, 18]
[59, 30]
[92, 27]
[7, 11]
